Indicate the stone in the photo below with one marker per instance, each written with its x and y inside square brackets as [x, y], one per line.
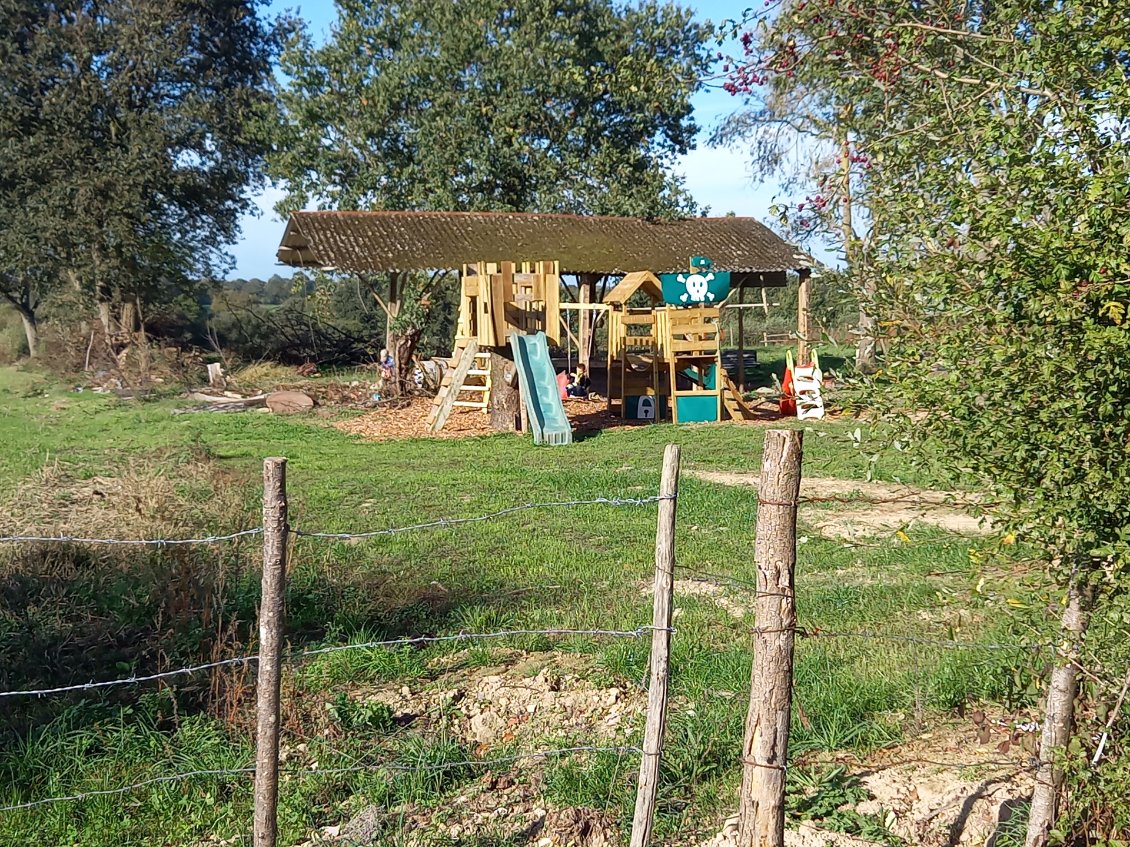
[289, 402]
[485, 726]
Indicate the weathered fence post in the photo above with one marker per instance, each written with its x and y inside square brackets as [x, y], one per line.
[271, 620]
[766, 745]
[660, 647]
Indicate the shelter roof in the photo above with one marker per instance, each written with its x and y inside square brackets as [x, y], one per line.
[369, 242]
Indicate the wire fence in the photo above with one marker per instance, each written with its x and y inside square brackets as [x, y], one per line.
[251, 770]
[766, 590]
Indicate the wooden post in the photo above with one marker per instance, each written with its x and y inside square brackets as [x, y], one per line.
[766, 745]
[803, 322]
[584, 317]
[271, 620]
[741, 338]
[660, 647]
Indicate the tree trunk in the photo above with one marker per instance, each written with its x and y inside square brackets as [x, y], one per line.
[803, 319]
[505, 403]
[129, 313]
[141, 339]
[106, 316]
[31, 330]
[392, 311]
[1059, 716]
[865, 349]
[402, 346]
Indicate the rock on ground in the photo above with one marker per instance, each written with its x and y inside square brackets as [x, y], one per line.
[289, 402]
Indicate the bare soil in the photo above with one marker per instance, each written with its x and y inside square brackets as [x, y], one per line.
[525, 696]
[944, 788]
[853, 510]
[409, 420]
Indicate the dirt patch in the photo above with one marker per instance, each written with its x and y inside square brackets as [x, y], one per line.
[495, 810]
[389, 423]
[409, 420]
[536, 696]
[528, 700]
[878, 508]
[804, 835]
[945, 787]
[942, 788]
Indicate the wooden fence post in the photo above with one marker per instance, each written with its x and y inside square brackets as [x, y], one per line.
[271, 620]
[766, 745]
[660, 649]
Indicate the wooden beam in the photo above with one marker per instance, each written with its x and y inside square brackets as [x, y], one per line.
[588, 307]
[803, 318]
[585, 329]
[741, 338]
[765, 748]
[552, 302]
[655, 727]
[569, 331]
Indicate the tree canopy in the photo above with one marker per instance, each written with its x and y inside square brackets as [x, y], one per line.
[989, 144]
[484, 105]
[132, 134]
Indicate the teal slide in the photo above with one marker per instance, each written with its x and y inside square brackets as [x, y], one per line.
[538, 384]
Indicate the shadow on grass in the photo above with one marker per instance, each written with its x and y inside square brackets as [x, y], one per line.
[70, 615]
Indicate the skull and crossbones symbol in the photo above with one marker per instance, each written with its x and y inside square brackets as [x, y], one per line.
[698, 290]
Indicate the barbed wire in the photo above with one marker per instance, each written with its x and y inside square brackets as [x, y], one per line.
[949, 643]
[816, 632]
[551, 753]
[914, 498]
[441, 522]
[555, 752]
[1031, 763]
[320, 651]
[449, 522]
[482, 636]
[125, 789]
[130, 680]
[709, 578]
[123, 542]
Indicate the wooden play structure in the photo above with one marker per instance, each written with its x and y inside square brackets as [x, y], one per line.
[665, 359]
[496, 299]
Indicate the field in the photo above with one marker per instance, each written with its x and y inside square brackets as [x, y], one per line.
[418, 756]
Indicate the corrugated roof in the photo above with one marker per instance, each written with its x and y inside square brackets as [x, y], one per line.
[368, 242]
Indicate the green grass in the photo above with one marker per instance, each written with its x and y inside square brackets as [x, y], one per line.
[769, 369]
[104, 613]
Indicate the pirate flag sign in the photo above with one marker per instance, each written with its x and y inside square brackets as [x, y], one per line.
[701, 286]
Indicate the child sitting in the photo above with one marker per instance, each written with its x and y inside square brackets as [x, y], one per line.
[579, 383]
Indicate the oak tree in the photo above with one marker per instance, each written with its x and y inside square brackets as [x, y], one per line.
[132, 135]
[482, 105]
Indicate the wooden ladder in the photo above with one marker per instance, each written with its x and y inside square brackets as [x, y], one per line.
[480, 388]
[732, 400]
[465, 354]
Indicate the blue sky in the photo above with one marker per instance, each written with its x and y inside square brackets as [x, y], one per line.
[717, 178]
